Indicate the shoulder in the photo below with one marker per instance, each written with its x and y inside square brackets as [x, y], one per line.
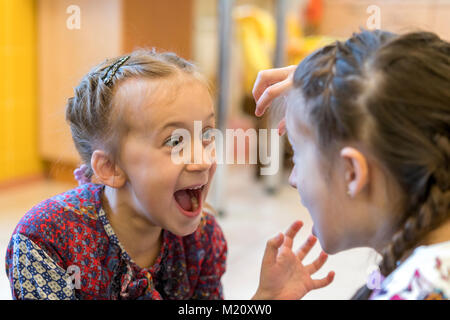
[424, 275]
[49, 220]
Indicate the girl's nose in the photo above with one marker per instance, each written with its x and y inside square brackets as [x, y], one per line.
[201, 166]
[201, 160]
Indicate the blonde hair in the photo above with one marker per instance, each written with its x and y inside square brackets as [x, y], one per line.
[90, 112]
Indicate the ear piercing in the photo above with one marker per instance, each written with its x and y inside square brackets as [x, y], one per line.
[348, 178]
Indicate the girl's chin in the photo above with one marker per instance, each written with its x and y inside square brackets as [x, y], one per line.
[185, 233]
[185, 229]
[330, 247]
[325, 245]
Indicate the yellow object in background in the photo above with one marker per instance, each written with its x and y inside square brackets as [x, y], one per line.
[18, 101]
[256, 31]
[300, 48]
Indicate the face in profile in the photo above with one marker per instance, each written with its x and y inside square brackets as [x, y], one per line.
[320, 183]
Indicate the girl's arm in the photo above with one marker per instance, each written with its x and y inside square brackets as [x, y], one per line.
[33, 274]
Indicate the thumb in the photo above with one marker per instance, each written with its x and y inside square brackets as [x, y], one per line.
[271, 252]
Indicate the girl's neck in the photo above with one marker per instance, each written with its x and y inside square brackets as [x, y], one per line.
[140, 238]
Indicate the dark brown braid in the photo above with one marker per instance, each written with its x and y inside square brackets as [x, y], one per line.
[391, 93]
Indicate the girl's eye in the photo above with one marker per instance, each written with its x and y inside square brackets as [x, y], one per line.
[207, 135]
[173, 141]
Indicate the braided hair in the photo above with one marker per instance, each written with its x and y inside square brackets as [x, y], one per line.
[391, 92]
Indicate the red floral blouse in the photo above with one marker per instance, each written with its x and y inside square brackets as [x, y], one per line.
[65, 248]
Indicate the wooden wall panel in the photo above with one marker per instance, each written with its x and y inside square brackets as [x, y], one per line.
[64, 56]
[108, 28]
[164, 24]
[342, 17]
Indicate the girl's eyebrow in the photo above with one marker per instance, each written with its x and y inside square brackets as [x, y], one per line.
[175, 124]
[180, 124]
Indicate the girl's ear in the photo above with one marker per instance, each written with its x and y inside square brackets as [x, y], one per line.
[106, 171]
[356, 170]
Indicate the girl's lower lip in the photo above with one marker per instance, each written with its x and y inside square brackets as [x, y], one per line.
[191, 214]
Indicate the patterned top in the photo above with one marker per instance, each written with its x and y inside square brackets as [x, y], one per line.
[425, 275]
[65, 248]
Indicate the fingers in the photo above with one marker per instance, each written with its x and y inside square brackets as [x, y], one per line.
[268, 77]
[306, 247]
[291, 232]
[320, 283]
[282, 127]
[271, 252]
[270, 94]
[317, 264]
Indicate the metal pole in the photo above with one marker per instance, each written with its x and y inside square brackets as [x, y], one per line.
[272, 183]
[224, 14]
[280, 45]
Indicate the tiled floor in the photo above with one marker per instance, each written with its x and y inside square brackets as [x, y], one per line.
[251, 218]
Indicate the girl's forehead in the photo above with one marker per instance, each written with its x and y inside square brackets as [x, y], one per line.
[151, 103]
[297, 118]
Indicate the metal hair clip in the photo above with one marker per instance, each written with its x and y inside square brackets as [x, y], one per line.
[111, 71]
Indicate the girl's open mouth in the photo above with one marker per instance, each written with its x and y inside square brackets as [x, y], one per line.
[189, 201]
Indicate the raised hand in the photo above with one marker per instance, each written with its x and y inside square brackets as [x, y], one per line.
[283, 276]
[270, 84]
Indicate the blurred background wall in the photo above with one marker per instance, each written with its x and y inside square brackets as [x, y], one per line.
[43, 59]
[19, 156]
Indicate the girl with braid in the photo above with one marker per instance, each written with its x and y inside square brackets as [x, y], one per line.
[369, 123]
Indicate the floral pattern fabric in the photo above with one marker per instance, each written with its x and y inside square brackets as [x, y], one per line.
[425, 275]
[65, 248]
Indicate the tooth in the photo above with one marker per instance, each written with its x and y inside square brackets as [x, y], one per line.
[194, 203]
